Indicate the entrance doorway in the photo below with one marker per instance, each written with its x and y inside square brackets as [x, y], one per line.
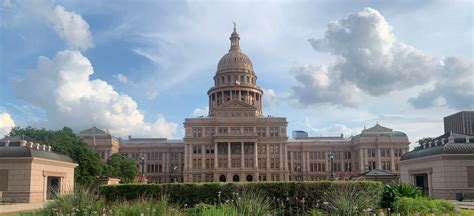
[53, 187]
[421, 181]
[236, 178]
[222, 178]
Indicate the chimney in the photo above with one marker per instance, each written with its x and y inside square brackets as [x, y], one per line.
[43, 147]
[48, 148]
[23, 143]
[30, 145]
[37, 145]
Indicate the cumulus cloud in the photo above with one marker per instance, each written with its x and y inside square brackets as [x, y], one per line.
[6, 124]
[455, 87]
[318, 86]
[200, 111]
[63, 88]
[370, 59]
[70, 26]
[370, 55]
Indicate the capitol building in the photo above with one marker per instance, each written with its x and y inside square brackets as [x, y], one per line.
[237, 143]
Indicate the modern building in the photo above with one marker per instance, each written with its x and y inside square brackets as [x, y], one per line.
[442, 167]
[461, 122]
[237, 142]
[31, 172]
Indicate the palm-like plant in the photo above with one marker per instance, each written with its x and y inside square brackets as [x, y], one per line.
[393, 192]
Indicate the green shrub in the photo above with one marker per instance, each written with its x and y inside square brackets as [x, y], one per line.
[350, 200]
[422, 205]
[292, 197]
[249, 203]
[394, 191]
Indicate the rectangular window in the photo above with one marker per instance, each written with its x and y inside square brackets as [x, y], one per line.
[197, 132]
[210, 131]
[223, 130]
[261, 131]
[235, 130]
[274, 131]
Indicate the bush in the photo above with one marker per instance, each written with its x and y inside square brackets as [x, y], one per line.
[290, 196]
[81, 202]
[422, 205]
[350, 200]
[395, 191]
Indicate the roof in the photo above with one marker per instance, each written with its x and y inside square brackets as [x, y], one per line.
[449, 148]
[377, 172]
[378, 130]
[94, 130]
[235, 58]
[23, 151]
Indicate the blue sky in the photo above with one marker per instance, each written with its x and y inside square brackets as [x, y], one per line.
[141, 67]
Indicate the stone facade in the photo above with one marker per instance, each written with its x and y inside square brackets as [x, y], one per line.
[236, 142]
[442, 167]
[29, 172]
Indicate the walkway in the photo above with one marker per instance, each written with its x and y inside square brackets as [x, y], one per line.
[19, 207]
[464, 204]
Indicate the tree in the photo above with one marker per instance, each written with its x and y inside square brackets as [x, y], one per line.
[66, 142]
[121, 167]
[422, 141]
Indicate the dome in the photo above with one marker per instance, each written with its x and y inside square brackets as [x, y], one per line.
[235, 59]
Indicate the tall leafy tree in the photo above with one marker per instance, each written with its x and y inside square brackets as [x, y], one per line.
[422, 141]
[121, 167]
[66, 142]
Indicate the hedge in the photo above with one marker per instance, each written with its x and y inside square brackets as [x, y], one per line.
[190, 194]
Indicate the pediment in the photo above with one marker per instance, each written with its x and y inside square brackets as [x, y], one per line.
[237, 105]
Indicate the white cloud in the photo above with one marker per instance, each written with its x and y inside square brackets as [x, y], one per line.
[370, 55]
[333, 130]
[62, 87]
[71, 27]
[200, 111]
[121, 78]
[319, 87]
[370, 59]
[454, 88]
[6, 124]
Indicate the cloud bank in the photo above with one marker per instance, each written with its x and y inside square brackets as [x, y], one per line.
[63, 88]
[370, 59]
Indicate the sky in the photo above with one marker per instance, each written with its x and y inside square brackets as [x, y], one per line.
[141, 67]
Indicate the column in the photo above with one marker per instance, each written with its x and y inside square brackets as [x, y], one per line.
[231, 94]
[268, 155]
[292, 156]
[240, 95]
[242, 162]
[361, 160]
[327, 161]
[256, 155]
[228, 156]
[186, 158]
[203, 156]
[343, 168]
[285, 156]
[366, 157]
[392, 159]
[190, 147]
[280, 149]
[379, 159]
[303, 161]
[216, 160]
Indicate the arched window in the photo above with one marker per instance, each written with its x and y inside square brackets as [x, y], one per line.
[236, 178]
[222, 178]
[249, 178]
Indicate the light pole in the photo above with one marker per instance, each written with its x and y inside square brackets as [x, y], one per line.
[142, 162]
[331, 166]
